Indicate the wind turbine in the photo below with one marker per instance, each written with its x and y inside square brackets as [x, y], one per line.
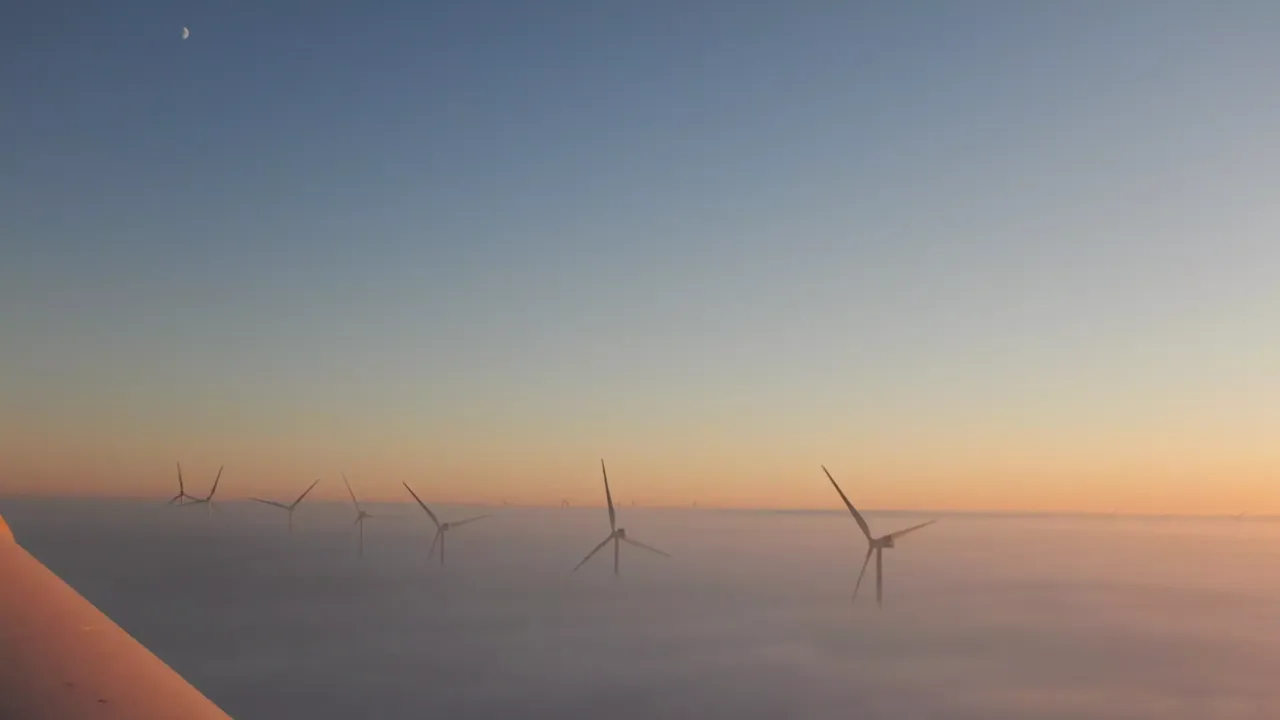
[182, 490]
[564, 503]
[442, 529]
[291, 506]
[360, 513]
[874, 544]
[616, 534]
[207, 501]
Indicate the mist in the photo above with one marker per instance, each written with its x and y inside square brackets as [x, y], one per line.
[984, 617]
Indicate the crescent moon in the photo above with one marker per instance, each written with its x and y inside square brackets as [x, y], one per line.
[185, 33]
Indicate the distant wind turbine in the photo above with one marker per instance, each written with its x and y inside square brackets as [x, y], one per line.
[616, 534]
[207, 501]
[874, 544]
[291, 506]
[360, 513]
[564, 503]
[442, 529]
[182, 495]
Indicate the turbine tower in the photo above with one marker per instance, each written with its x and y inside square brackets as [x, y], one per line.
[616, 534]
[442, 529]
[875, 545]
[291, 506]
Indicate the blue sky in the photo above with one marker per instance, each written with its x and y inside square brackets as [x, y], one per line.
[914, 238]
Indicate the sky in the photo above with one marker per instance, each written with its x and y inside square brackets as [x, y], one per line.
[998, 256]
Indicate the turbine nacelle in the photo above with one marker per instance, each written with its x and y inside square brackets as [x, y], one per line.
[620, 533]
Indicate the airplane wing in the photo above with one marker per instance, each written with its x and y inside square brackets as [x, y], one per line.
[65, 660]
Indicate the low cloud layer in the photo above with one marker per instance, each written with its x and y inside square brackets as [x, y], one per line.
[751, 618]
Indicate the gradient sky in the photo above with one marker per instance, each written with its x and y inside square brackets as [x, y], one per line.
[969, 255]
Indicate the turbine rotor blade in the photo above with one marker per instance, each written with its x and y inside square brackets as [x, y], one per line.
[468, 520]
[591, 554]
[430, 514]
[304, 493]
[351, 492]
[911, 529]
[181, 487]
[218, 479]
[852, 511]
[282, 506]
[642, 546]
[608, 496]
[862, 572]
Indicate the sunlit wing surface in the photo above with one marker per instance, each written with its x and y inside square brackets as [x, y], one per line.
[62, 659]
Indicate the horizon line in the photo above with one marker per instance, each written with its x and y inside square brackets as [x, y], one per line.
[799, 510]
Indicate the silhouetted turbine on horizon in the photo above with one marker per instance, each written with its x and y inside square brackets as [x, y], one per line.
[441, 528]
[874, 544]
[361, 515]
[182, 490]
[207, 501]
[291, 506]
[616, 534]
